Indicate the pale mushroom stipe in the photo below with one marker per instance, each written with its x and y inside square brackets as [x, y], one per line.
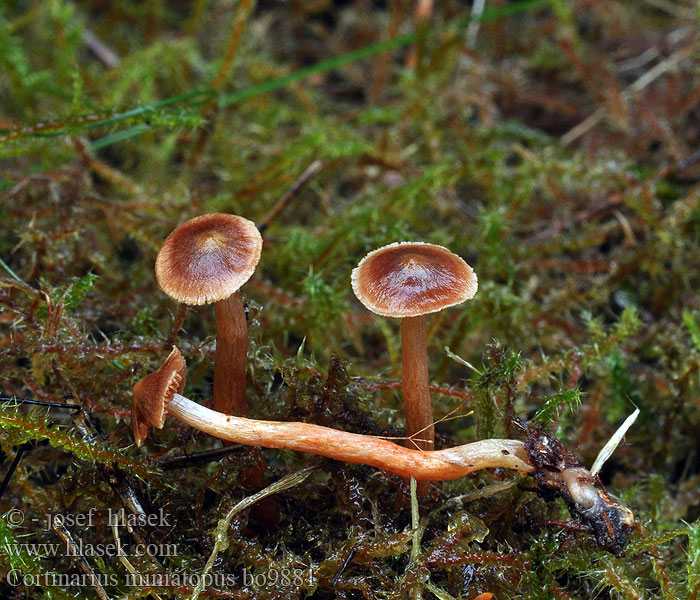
[154, 395]
[206, 260]
[409, 280]
[556, 471]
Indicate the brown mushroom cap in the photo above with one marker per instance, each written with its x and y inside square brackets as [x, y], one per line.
[208, 258]
[408, 279]
[153, 392]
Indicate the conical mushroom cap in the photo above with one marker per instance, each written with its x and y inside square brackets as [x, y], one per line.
[153, 392]
[408, 279]
[208, 258]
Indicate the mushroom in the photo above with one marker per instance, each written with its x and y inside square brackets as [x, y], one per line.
[409, 280]
[152, 393]
[155, 396]
[556, 471]
[206, 260]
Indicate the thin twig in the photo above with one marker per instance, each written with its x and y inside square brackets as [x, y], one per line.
[245, 8]
[74, 551]
[474, 23]
[177, 326]
[221, 536]
[421, 15]
[637, 62]
[62, 405]
[122, 556]
[196, 459]
[114, 176]
[461, 360]
[13, 467]
[638, 85]
[434, 389]
[416, 535]
[21, 450]
[343, 567]
[450, 416]
[282, 203]
[105, 54]
[684, 12]
[7, 268]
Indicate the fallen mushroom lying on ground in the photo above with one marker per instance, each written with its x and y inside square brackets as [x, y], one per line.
[556, 470]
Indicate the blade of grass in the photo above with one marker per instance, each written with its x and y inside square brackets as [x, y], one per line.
[7, 268]
[221, 541]
[200, 97]
[119, 136]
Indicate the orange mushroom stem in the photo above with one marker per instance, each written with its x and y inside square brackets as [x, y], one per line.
[408, 280]
[158, 395]
[231, 356]
[436, 465]
[415, 383]
[556, 471]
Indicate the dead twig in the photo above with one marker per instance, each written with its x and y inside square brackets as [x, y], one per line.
[637, 86]
[282, 203]
[74, 551]
[105, 54]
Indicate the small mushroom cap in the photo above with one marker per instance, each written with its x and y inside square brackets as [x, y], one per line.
[208, 258]
[408, 279]
[153, 392]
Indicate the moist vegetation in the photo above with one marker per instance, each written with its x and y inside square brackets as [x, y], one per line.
[120, 120]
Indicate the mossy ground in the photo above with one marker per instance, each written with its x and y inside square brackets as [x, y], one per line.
[585, 241]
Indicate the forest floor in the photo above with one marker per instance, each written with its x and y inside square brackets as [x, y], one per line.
[552, 144]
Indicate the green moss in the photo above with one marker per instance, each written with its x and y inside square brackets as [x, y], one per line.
[586, 254]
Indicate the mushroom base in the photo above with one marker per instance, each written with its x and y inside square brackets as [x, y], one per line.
[560, 475]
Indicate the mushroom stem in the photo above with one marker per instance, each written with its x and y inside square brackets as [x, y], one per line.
[231, 356]
[439, 465]
[416, 394]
